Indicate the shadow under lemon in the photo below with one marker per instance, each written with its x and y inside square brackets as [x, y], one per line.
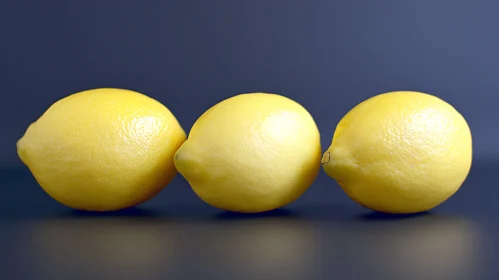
[281, 213]
[132, 212]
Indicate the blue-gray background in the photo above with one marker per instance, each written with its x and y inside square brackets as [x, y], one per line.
[328, 55]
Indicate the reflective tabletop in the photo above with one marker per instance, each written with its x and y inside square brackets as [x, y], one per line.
[323, 235]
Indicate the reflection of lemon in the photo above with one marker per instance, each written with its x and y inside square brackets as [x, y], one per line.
[251, 153]
[123, 249]
[400, 152]
[102, 149]
[279, 248]
[438, 247]
[442, 248]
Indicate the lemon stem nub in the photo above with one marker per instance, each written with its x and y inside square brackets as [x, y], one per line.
[325, 158]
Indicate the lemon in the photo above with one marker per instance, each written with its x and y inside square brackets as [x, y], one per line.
[400, 152]
[250, 153]
[102, 149]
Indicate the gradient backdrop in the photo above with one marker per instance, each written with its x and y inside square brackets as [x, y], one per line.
[327, 55]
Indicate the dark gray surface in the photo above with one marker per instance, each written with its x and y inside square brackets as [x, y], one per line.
[189, 54]
[323, 235]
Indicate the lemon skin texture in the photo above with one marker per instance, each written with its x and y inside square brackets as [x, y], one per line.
[253, 152]
[102, 149]
[400, 152]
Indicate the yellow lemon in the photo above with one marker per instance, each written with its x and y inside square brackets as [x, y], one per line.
[253, 152]
[400, 152]
[102, 149]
